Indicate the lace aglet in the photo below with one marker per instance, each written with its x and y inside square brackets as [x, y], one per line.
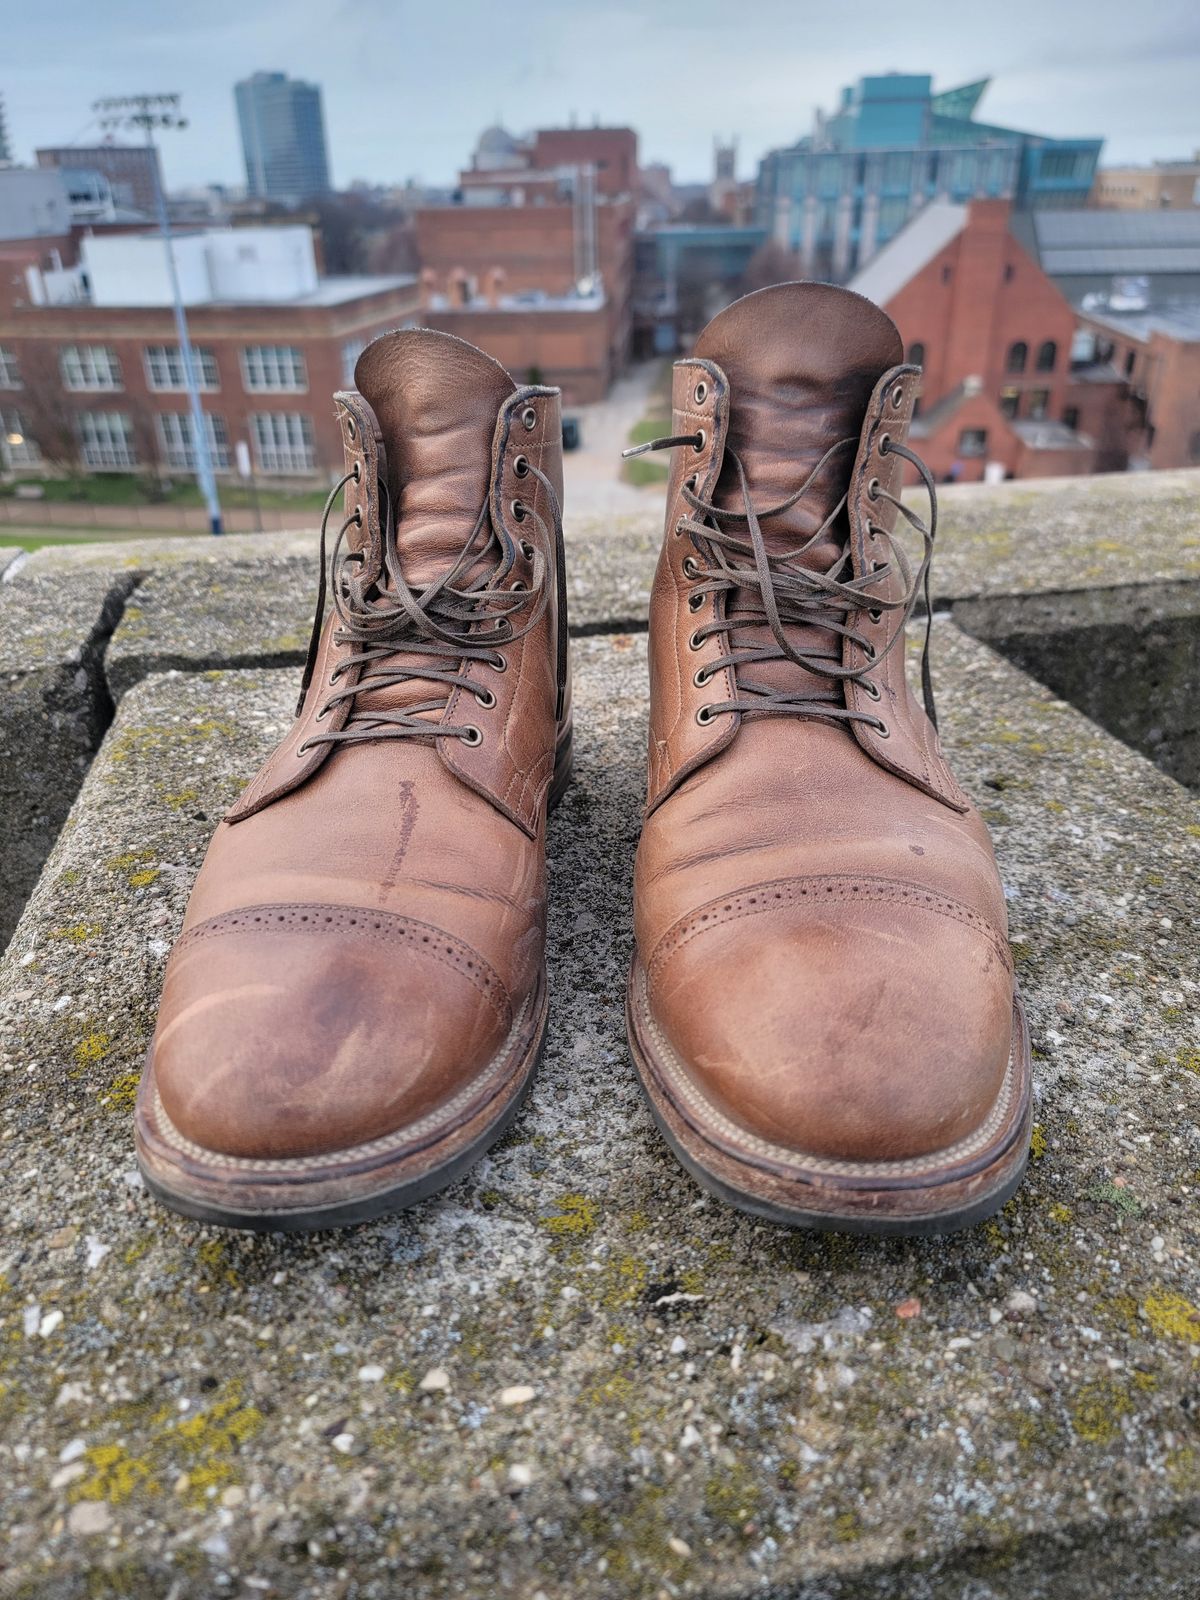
[636, 450]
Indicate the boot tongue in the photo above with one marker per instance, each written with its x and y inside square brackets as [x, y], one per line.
[802, 360]
[436, 398]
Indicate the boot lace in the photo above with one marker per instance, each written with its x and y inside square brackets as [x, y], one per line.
[775, 589]
[398, 634]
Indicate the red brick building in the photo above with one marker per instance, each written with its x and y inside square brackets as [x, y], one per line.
[1155, 354]
[101, 384]
[995, 337]
[512, 274]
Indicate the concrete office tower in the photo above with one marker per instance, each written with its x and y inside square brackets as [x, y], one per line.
[283, 137]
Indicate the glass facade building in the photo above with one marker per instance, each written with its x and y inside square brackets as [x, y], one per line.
[839, 195]
[283, 138]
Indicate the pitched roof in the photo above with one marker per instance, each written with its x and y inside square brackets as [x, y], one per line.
[1085, 242]
[914, 247]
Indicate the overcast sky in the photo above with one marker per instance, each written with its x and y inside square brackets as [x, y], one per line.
[408, 86]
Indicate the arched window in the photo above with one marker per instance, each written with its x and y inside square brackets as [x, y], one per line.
[1047, 355]
[916, 354]
[1018, 355]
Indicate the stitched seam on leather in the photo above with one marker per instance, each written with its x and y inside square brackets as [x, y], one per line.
[776, 891]
[409, 1134]
[913, 1166]
[388, 927]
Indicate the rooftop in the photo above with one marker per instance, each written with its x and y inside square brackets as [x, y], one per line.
[1083, 241]
[1178, 321]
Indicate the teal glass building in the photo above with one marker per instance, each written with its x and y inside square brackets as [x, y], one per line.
[838, 195]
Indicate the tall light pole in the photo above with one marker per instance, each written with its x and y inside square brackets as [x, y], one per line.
[148, 112]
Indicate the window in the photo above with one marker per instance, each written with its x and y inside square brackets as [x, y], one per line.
[1130, 363]
[90, 366]
[106, 439]
[947, 274]
[1047, 355]
[283, 441]
[17, 449]
[177, 441]
[916, 354]
[1018, 355]
[1039, 404]
[164, 367]
[1010, 272]
[274, 368]
[10, 369]
[972, 442]
[1070, 417]
[1010, 399]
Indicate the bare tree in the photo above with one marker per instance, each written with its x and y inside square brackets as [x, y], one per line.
[46, 411]
[771, 263]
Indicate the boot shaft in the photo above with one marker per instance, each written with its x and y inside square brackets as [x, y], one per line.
[782, 587]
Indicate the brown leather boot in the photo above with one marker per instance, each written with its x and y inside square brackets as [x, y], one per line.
[822, 1006]
[357, 1000]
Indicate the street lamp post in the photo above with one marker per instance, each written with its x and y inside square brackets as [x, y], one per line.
[148, 112]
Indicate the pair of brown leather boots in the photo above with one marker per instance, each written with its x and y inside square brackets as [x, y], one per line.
[821, 1008]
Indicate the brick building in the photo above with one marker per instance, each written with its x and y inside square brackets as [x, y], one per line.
[995, 337]
[514, 272]
[1162, 186]
[90, 370]
[1157, 356]
[535, 260]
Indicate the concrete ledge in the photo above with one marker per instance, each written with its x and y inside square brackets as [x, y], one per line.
[55, 707]
[718, 1407]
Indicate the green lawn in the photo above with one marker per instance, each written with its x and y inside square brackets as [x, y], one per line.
[643, 471]
[127, 489]
[25, 539]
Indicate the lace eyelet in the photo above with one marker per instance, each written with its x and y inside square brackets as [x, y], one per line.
[527, 550]
[357, 473]
[518, 510]
[700, 441]
[875, 614]
[690, 569]
[695, 601]
[885, 443]
[499, 664]
[471, 736]
[701, 393]
[873, 489]
[516, 588]
[690, 483]
[529, 417]
[322, 714]
[485, 698]
[358, 516]
[302, 749]
[869, 651]
[704, 716]
[898, 396]
[521, 466]
[351, 430]
[869, 688]
[882, 729]
[700, 677]
[695, 642]
[679, 528]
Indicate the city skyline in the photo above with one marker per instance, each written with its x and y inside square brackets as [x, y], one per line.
[621, 66]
